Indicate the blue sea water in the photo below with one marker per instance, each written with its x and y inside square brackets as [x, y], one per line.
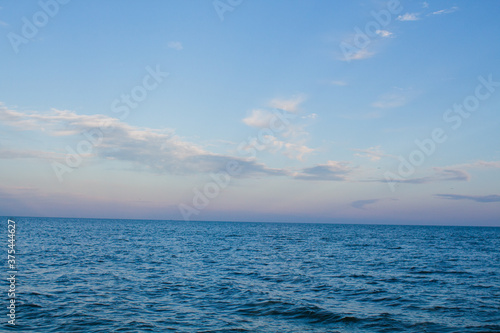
[99, 275]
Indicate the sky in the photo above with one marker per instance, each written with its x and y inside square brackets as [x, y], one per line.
[235, 110]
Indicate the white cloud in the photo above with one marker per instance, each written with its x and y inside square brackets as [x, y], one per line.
[259, 118]
[310, 116]
[290, 104]
[156, 150]
[425, 4]
[358, 55]
[384, 33]
[262, 118]
[352, 48]
[445, 11]
[291, 140]
[56, 123]
[297, 151]
[409, 17]
[291, 150]
[272, 144]
[175, 45]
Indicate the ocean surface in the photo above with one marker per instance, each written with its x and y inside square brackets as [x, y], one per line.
[98, 275]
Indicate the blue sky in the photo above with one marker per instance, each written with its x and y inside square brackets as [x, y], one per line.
[301, 111]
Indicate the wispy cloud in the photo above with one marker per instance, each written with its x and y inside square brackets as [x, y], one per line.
[153, 150]
[409, 17]
[374, 114]
[358, 55]
[338, 83]
[259, 118]
[440, 175]
[397, 97]
[453, 173]
[156, 150]
[292, 150]
[447, 174]
[310, 116]
[390, 101]
[15, 154]
[291, 142]
[55, 123]
[450, 173]
[289, 149]
[372, 153]
[478, 165]
[352, 48]
[445, 11]
[384, 33]
[332, 170]
[475, 198]
[297, 151]
[416, 16]
[360, 204]
[175, 45]
[288, 104]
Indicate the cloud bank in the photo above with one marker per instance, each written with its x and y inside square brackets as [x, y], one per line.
[155, 150]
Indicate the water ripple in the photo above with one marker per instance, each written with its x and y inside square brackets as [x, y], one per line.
[89, 275]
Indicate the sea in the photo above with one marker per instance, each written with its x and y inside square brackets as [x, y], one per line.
[110, 275]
